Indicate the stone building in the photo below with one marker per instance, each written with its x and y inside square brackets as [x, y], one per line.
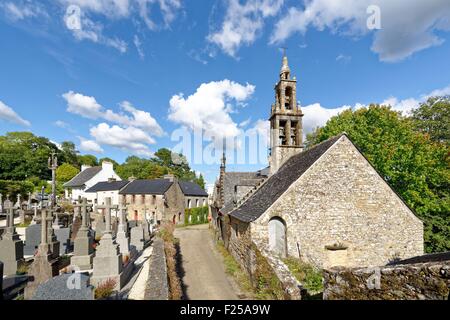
[87, 178]
[326, 205]
[107, 189]
[161, 199]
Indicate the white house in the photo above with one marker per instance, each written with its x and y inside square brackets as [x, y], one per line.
[108, 189]
[87, 178]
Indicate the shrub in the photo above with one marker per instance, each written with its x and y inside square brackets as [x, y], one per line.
[198, 215]
[105, 289]
[166, 234]
[309, 276]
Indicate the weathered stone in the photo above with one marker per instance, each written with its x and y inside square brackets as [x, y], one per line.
[32, 239]
[11, 247]
[65, 287]
[83, 245]
[137, 239]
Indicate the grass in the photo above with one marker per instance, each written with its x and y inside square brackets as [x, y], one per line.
[105, 289]
[166, 233]
[266, 285]
[22, 269]
[309, 276]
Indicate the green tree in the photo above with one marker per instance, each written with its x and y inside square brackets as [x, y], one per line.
[200, 181]
[70, 153]
[88, 159]
[66, 172]
[433, 117]
[413, 164]
[23, 155]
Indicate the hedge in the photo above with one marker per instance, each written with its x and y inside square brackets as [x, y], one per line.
[198, 215]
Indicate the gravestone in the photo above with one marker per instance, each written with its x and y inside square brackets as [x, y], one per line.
[146, 227]
[11, 247]
[137, 239]
[100, 225]
[1, 280]
[63, 237]
[18, 203]
[108, 259]
[83, 245]
[35, 215]
[32, 239]
[65, 287]
[1, 203]
[51, 237]
[44, 267]
[76, 225]
[122, 238]
[21, 215]
[29, 201]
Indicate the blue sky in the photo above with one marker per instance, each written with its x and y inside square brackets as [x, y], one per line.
[121, 78]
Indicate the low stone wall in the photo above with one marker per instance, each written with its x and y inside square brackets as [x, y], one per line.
[421, 278]
[157, 286]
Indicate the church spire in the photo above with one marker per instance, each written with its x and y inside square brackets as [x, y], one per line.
[285, 119]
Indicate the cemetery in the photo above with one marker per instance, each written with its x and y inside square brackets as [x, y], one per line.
[72, 251]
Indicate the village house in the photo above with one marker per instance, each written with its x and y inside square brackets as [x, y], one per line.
[161, 199]
[107, 189]
[326, 205]
[87, 178]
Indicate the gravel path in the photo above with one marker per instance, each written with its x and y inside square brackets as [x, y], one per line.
[204, 272]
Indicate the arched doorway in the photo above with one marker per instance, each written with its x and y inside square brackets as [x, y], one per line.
[277, 236]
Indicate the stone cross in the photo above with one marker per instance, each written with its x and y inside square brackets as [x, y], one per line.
[35, 216]
[108, 207]
[18, 204]
[83, 207]
[44, 230]
[1, 203]
[10, 225]
[29, 201]
[53, 165]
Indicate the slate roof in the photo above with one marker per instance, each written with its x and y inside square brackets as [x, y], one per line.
[278, 183]
[80, 179]
[155, 186]
[192, 189]
[108, 186]
[232, 179]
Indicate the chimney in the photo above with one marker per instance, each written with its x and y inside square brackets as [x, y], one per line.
[111, 179]
[108, 166]
[84, 167]
[170, 177]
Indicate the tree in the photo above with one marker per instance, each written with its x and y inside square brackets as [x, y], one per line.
[200, 181]
[23, 155]
[70, 153]
[433, 117]
[88, 159]
[413, 164]
[66, 172]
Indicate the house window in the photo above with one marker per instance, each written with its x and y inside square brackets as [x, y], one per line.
[189, 203]
[196, 203]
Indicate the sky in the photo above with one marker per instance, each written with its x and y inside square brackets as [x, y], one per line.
[127, 77]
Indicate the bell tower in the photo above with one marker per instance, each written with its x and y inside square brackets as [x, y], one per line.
[286, 132]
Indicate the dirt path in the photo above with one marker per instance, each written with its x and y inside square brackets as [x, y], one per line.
[203, 272]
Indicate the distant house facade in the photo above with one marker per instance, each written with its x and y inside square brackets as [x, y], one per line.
[87, 178]
[161, 199]
[194, 195]
[108, 189]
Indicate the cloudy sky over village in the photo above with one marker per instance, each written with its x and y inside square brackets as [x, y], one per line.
[118, 77]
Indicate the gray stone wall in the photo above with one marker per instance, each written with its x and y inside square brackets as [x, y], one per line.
[175, 204]
[202, 201]
[342, 202]
[419, 281]
[240, 244]
[157, 287]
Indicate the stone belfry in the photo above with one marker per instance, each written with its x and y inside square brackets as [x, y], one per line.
[286, 133]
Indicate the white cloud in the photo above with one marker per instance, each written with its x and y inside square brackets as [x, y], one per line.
[315, 115]
[138, 44]
[90, 145]
[88, 107]
[209, 107]
[21, 10]
[407, 26]
[111, 8]
[242, 23]
[168, 9]
[129, 139]
[61, 124]
[8, 114]
[343, 58]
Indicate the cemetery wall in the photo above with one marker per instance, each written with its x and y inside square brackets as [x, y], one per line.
[416, 281]
[157, 286]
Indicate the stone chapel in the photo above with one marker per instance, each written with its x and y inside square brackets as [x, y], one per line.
[326, 205]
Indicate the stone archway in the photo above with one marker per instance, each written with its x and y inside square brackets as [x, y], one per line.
[277, 236]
